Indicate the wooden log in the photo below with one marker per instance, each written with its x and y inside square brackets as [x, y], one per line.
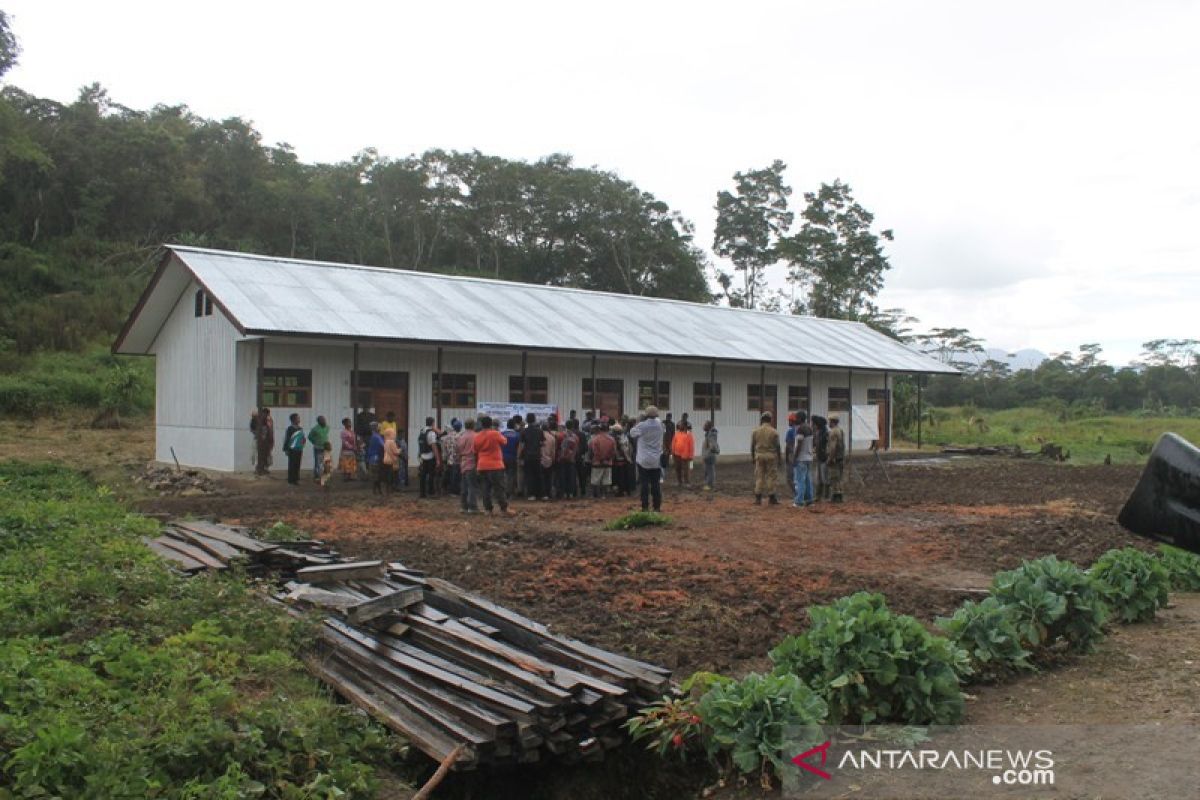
[435, 743]
[456, 727]
[407, 657]
[225, 534]
[439, 774]
[367, 610]
[495, 667]
[346, 571]
[186, 563]
[214, 547]
[491, 722]
[192, 552]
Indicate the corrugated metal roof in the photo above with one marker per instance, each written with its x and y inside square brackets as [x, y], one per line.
[268, 295]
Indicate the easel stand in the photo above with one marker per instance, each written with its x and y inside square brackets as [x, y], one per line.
[877, 465]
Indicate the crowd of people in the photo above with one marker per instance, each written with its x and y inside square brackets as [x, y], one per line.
[485, 462]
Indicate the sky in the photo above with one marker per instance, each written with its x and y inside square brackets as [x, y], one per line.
[1039, 162]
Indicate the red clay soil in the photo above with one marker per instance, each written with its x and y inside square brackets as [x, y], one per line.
[728, 579]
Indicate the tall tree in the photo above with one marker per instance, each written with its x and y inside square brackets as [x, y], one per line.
[9, 48]
[837, 262]
[751, 221]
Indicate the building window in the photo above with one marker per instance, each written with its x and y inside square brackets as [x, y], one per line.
[701, 393]
[754, 399]
[456, 390]
[204, 304]
[877, 397]
[287, 388]
[839, 398]
[539, 389]
[646, 394]
[797, 398]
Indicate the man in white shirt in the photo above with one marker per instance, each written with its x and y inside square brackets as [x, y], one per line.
[649, 436]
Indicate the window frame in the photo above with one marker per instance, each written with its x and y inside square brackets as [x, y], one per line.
[841, 403]
[662, 401]
[451, 393]
[303, 384]
[516, 392]
[700, 390]
[795, 390]
[753, 391]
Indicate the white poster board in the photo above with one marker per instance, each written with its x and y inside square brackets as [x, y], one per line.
[866, 426]
[502, 412]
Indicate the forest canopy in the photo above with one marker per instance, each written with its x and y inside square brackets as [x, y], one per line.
[89, 189]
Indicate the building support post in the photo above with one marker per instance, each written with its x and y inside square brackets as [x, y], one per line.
[850, 424]
[712, 393]
[595, 406]
[654, 391]
[524, 376]
[887, 399]
[808, 398]
[258, 377]
[920, 412]
[762, 392]
[354, 390]
[440, 385]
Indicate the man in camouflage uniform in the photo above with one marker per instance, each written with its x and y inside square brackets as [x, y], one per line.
[765, 452]
[837, 457]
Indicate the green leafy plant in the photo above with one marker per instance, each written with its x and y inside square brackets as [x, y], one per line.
[1053, 601]
[1133, 584]
[987, 631]
[119, 678]
[671, 726]
[762, 720]
[638, 519]
[1183, 568]
[872, 665]
[282, 532]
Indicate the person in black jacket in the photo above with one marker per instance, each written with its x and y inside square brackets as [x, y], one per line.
[529, 453]
[293, 448]
[820, 476]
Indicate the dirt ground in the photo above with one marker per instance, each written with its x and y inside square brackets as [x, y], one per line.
[727, 579]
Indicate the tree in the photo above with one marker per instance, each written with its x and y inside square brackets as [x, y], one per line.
[836, 261]
[751, 221]
[955, 347]
[1165, 352]
[10, 49]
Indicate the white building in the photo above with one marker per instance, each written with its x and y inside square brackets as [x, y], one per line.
[230, 331]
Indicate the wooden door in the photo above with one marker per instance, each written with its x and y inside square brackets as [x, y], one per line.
[881, 399]
[609, 399]
[385, 400]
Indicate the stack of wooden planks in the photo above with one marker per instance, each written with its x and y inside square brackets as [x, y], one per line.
[439, 664]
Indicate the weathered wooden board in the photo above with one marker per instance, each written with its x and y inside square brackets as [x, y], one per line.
[346, 571]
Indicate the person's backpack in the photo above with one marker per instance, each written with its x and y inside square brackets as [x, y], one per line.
[296, 442]
[713, 446]
[423, 446]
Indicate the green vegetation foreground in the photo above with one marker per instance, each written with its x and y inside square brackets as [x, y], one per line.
[119, 678]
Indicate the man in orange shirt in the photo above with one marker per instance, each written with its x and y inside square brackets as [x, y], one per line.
[489, 466]
[683, 447]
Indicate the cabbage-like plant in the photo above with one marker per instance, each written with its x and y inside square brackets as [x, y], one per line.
[873, 666]
[987, 631]
[1054, 601]
[1134, 584]
[1182, 567]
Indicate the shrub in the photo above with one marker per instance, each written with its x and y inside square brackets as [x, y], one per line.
[761, 720]
[1183, 568]
[987, 631]
[638, 519]
[1133, 584]
[672, 725]
[872, 665]
[1053, 601]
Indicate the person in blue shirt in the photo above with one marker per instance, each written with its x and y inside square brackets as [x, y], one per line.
[375, 457]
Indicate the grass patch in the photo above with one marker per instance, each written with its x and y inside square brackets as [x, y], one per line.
[638, 519]
[1127, 438]
[46, 384]
[119, 678]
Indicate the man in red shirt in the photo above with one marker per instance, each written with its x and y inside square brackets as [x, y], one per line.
[489, 466]
[603, 450]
